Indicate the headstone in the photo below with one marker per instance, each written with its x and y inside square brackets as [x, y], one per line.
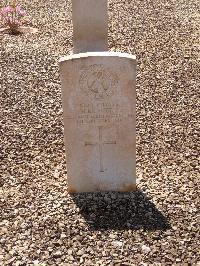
[98, 94]
[90, 25]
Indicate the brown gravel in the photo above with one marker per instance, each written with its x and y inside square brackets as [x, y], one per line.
[40, 224]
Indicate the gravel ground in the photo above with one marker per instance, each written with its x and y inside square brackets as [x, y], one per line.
[40, 223]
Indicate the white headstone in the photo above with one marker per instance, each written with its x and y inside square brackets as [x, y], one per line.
[90, 25]
[98, 91]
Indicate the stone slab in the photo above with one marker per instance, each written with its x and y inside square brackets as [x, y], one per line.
[90, 25]
[99, 98]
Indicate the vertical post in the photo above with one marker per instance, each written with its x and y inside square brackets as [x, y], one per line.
[90, 25]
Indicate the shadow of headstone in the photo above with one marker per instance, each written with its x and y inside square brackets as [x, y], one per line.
[115, 210]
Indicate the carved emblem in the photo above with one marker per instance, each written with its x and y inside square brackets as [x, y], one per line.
[98, 81]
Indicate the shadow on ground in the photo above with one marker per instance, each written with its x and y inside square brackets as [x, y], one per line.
[103, 211]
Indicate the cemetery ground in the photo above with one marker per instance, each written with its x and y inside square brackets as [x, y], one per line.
[40, 223]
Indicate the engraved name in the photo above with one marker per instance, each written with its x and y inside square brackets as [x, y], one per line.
[104, 112]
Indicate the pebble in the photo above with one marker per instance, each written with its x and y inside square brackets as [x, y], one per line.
[146, 249]
[117, 243]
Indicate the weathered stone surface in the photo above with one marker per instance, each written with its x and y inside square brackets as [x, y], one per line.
[99, 115]
[90, 25]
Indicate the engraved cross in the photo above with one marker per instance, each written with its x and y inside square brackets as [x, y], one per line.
[100, 143]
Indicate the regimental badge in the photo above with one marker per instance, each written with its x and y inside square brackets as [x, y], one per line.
[98, 82]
